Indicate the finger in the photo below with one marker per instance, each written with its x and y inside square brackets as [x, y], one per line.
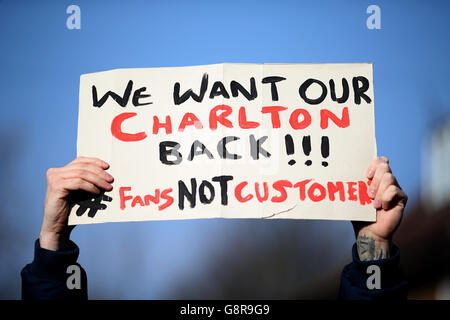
[387, 180]
[392, 196]
[87, 176]
[78, 184]
[93, 160]
[374, 164]
[381, 168]
[93, 168]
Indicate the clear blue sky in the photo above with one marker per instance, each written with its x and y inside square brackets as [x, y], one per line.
[41, 62]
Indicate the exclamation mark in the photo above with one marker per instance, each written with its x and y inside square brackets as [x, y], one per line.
[325, 149]
[289, 147]
[306, 143]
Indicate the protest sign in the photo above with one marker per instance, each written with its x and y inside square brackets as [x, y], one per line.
[229, 140]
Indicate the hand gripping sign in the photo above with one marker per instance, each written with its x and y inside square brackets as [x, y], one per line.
[229, 141]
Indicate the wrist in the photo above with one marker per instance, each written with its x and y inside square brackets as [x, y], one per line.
[371, 247]
[53, 241]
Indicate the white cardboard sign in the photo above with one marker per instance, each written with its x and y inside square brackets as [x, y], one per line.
[229, 140]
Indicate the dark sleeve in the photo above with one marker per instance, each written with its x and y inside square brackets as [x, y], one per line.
[355, 276]
[47, 277]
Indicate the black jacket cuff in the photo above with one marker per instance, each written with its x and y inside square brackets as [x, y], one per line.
[389, 269]
[355, 276]
[53, 265]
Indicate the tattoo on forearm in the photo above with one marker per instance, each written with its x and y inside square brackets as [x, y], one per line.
[368, 249]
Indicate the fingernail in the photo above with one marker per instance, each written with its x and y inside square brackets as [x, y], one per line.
[371, 193]
[370, 173]
[377, 203]
[109, 177]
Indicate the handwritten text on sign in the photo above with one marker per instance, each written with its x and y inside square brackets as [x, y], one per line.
[229, 140]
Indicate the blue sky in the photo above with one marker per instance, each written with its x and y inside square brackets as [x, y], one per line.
[41, 62]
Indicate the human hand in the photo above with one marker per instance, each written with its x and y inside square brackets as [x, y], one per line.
[374, 239]
[86, 174]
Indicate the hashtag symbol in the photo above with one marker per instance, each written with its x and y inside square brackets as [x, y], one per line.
[92, 204]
